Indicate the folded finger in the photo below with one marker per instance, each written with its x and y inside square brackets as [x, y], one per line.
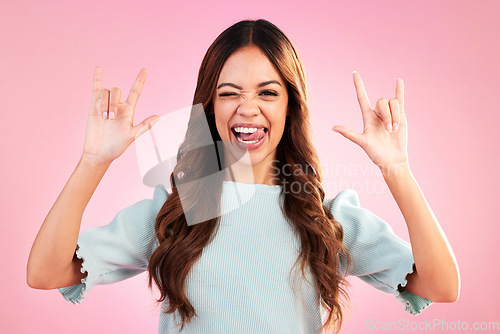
[384, 113]
[114, 100]
[394, 106]
[104, 103]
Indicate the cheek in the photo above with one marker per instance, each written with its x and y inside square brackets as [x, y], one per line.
[221, 121]
[278, 116]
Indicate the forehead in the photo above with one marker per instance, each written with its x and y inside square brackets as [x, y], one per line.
[249, 66]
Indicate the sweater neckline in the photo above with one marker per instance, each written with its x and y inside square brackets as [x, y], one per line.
[252, 186]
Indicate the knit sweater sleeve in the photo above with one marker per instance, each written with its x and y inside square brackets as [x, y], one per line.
[119, 250]
[378, 256]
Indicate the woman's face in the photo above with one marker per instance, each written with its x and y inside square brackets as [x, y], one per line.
[250, 104]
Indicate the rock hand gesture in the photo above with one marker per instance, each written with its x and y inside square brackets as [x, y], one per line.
[384, 138]
[384, 134]
[110, 128]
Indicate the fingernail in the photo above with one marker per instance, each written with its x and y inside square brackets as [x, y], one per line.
[389, 127]
[395, 126]
[111, 114]
[104, 114]
[354, 72]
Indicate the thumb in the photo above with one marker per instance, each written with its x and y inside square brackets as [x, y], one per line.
[352, 135]
[145, 125]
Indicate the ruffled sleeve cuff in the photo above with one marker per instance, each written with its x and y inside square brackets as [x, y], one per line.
[378, 256]
[413, 304]
[118, 250]
[76, 293]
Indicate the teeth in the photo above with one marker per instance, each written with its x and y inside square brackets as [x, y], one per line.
[245, 130]
[242, 129]
[247, 142]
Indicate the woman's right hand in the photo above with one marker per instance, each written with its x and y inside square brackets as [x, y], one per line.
[110, 128]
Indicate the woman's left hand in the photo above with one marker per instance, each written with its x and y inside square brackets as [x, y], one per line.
[384, 134]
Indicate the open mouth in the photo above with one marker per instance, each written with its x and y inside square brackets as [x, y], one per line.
[249, 135]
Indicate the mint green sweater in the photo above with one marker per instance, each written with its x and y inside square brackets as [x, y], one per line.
[240, 284]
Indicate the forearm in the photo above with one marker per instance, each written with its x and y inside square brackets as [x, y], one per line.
[54, 246]
[434, 259]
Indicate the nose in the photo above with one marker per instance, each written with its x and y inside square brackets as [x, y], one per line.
[248, 108]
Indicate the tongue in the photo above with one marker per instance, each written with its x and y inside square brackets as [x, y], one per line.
[257, 135]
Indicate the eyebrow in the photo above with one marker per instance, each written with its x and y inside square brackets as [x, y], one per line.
[262, 84]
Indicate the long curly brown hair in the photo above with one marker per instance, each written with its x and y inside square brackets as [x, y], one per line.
[181, 244]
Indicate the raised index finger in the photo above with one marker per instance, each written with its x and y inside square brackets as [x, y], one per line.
[400, 94]
[364, 103]
[136, 89]
[96, 86]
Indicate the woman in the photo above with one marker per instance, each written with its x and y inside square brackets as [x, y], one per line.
[234, 272]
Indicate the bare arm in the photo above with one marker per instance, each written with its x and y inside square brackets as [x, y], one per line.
[437, 276]
[51, 263]
[110, 130]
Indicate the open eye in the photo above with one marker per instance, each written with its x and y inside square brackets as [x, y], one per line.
[268, 95]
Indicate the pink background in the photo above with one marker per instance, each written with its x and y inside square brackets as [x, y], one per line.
[446, 52]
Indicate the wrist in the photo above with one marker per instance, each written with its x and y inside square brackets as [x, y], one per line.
[94, 161]
[395, 170]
